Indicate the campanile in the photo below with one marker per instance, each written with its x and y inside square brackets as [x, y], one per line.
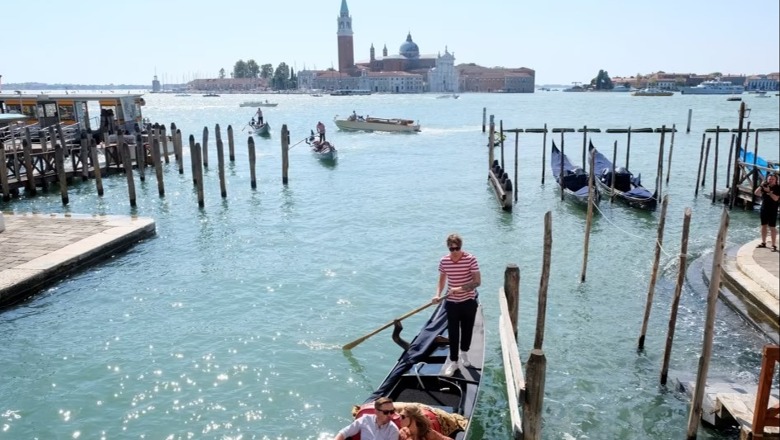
[346, 49]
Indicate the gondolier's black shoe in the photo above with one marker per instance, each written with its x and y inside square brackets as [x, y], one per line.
[762, 245]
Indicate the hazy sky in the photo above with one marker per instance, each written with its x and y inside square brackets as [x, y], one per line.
[103, 42]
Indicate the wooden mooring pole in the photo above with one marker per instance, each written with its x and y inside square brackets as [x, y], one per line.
[671, 150]
[706, 160]
[677, 293]
[709, 325]
[589, 221]
[199, 172]
[205, 147]
[252, 162]
[221, 167]
[96, 166]
[735, 176]
[701, 159]
[158, 170]
[544, 153]
[536, 367]
[715, 168]
[512, 293]
[688, 127]
[231, 144]
[140, 153]
[484, 117]
[659, 240]
[193, 161]
[124, 151]
[4, 176]
[285, 153]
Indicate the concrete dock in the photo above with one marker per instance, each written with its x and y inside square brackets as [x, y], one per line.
[37, 250]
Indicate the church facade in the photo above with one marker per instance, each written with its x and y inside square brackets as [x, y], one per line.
[405, 72]
[409, 71]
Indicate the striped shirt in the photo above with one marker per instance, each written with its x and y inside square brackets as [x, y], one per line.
[459, 273]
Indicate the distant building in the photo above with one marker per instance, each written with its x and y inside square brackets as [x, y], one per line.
[156, 85]
[409, 71]
[229, 84]
[474, 78]
[762, 82]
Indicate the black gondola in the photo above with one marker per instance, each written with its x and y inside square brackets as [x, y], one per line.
[417, 376]
[575, 179]
[627, 188]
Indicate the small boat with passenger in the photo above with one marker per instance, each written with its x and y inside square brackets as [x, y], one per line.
[324, 150]
[418, 377]
[260, 129]
[360, 123]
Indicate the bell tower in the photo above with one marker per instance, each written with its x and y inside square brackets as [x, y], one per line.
[346, 49]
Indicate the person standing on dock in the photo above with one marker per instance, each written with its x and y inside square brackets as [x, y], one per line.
[376, 426]
[259, 116]
[770, 194]
[459, 270]
[321, 131]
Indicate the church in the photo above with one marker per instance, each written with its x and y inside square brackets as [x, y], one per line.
[405, 72]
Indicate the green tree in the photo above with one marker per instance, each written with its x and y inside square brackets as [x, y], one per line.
[602, 81]
[266, 70]
[222, 73]
[281, 74]
[253, 69]
[240, 69]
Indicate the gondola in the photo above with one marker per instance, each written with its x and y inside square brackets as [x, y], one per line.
[417, 376]
[322, 150]
[627, 188]
[574, 181]
[261, 129]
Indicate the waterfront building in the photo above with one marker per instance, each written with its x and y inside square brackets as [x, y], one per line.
[475, 78]
[156, 85]
[761, 82]
[229, 84]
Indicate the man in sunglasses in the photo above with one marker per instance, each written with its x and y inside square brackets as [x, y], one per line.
[373, 426]
[460, 271]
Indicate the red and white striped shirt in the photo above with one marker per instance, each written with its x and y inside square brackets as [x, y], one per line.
[459, 273]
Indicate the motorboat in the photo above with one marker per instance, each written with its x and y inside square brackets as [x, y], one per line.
[713, 87]
[359, 123]
[258, 104]
[652, 91]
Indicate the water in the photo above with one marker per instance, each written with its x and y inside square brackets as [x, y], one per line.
[228, 324]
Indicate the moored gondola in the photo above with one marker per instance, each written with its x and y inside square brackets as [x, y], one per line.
[619, 183]
[418, 376]
[574, 180]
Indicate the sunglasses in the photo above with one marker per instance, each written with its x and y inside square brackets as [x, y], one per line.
[454, 248]
[387, 412]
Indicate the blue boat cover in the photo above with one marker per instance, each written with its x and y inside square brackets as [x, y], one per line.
[422, 346]
[747, 157]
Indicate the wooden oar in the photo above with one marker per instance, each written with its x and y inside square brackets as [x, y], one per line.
[359, 340]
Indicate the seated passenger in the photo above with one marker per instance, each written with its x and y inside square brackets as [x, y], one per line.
[416, 426]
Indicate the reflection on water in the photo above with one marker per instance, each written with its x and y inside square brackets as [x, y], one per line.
[227, 323]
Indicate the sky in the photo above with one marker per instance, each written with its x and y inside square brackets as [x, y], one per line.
[564, 41]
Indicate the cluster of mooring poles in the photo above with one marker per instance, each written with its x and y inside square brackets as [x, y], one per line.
[529, 391]
[35, 160]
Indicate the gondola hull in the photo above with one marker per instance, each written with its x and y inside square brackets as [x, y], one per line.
[418, 375]
[574, 183]
[627, 190]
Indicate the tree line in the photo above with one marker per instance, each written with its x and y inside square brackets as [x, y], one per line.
[281, 78]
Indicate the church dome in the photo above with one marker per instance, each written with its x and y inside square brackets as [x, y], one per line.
[409, 48]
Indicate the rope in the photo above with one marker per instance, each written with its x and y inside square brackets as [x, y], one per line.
[628, 233]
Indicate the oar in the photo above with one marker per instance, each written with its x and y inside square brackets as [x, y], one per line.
[307, 137]
[360, 340]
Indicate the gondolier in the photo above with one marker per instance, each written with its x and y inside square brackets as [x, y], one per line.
[321, 131]
[259, 115]
[459, 270]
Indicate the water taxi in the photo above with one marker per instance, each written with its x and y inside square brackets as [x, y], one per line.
[116, 110]
[359, 123]
[652, 91]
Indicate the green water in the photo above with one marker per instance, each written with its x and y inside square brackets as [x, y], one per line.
[228, 324]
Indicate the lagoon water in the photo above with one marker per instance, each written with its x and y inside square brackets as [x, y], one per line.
[228, 323]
